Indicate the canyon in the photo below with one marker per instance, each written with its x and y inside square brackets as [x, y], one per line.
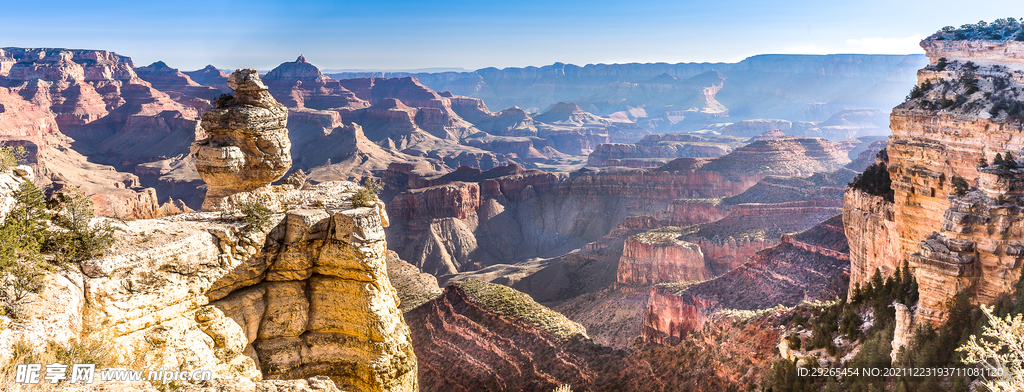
[608, 229]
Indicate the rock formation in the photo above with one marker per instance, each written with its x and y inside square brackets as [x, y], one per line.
[956, 117]
[485, 337]
[179, 86]
[299, 84]
[51, 97]
[309, 296]
[652, 258]
[810, 265]
[210, 76]
[247, 145]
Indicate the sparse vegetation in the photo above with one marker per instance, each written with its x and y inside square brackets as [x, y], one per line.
[75, 239]
[919, 90]
[367, 195]
[224, 100]
[875, 181]
[11, 156]
[21, 237]
[255, 215]
[1004, 29]
[514, 303]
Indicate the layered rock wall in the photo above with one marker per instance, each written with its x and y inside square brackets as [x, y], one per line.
[648, 261]
[954, 121]
[310, 296]
[871, 231]
[247, 145]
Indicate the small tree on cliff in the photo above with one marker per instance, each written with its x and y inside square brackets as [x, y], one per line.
[367, 195]
[960, 186]
[21, 238]
[77, 239]
[1009, 161]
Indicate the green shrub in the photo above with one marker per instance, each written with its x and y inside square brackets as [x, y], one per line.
[1003, 29]
[21, 237]
[11, 156]
[875, 180]
[255, 215]
[367, 195]
[75, 239]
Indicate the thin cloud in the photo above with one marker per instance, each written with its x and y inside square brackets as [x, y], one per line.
[881, 45]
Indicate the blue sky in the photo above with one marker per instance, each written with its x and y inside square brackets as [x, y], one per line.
[475, 34]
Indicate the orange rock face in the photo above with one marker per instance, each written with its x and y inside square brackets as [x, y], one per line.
[647, 260]
[955, 244]
[871, 231]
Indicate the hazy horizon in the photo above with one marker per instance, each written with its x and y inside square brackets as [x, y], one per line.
[407, 35]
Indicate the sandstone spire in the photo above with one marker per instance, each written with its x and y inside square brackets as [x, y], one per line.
[247, 147]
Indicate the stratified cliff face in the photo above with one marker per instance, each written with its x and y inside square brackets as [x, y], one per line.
[96, 98]
[308, 296]
[247, 145]
[871, 231]
[650, 258]
[299, 84]
[788, 156]
[810, 265]
[482, 337]
[960, 113]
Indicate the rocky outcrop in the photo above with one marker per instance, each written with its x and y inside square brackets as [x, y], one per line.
[425, 109]
[299, 84]
[307, 296]
[210, 76]
[247, 145]
[483, 337]
[789, 156]
[1002, 52]
[810, 265]
[729, 242]
[955, 118]
[903, 332]
[179, 86]
[509, 122]
[652, 258]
